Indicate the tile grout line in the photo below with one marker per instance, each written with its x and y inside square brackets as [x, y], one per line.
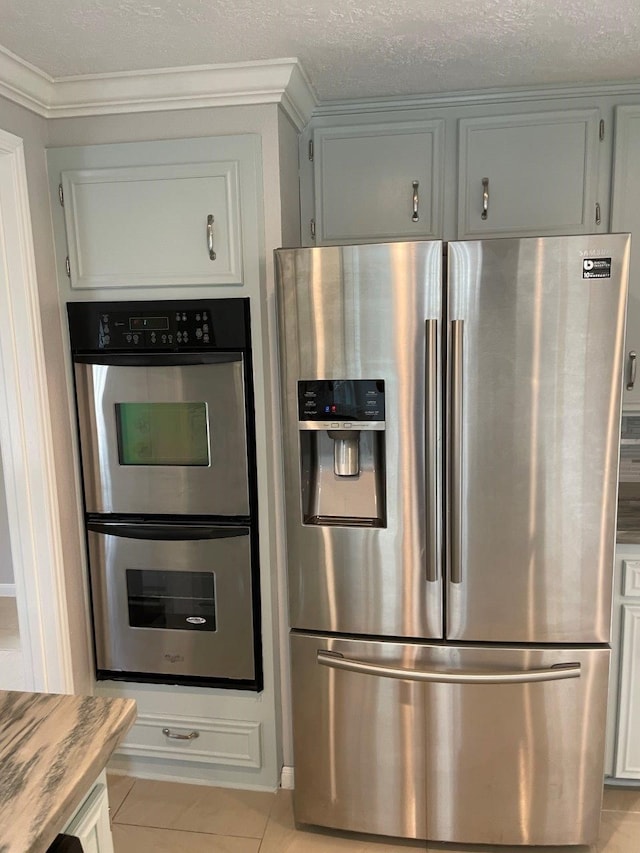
[124, 799]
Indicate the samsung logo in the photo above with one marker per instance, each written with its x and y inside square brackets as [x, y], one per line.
[174, 658]
[592, 253]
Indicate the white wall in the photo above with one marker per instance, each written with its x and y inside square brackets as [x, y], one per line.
[33, 131]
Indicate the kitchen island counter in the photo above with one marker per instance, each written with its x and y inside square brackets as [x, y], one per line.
[52, 748]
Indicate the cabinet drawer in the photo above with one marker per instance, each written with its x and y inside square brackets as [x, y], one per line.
[195, 739]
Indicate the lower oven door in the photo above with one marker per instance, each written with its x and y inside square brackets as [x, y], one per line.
[173, 601]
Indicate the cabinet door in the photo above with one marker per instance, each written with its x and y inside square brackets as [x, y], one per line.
[91, 823]
[378, 182]
[628, 744]
[148, 226]
[625, 216]
[528, 175]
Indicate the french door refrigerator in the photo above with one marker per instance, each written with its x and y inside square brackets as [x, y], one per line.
[451, 419]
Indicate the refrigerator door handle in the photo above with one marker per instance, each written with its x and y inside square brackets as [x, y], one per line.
[455, 454]
[432, 420]
[552, 673]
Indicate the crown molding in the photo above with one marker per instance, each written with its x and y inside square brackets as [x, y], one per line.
[478, 98]
[276, 81]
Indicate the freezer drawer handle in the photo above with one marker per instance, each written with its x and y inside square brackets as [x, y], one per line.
[553, 673]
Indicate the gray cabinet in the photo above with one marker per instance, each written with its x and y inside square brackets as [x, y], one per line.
[378, 182]
[530, 174]
[456, 176]
[625, 216]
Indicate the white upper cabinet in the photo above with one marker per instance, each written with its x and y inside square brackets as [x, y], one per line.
[176, 214]
[533, 174]
[378, 182]
[153, 225]
[625, 216]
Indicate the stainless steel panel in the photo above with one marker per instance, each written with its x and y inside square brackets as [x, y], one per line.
[220, 488]
[227, 652]
[359, 742]
[359, 312]
[512, 763]
[534, 466]
[517, 763]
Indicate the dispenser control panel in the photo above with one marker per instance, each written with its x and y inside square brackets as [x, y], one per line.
[341, 400]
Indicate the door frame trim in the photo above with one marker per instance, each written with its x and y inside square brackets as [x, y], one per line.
[26, 442]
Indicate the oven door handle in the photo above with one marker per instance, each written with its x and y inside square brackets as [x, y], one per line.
[168, 532]
[159, 360]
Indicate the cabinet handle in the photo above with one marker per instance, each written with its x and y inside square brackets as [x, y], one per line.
[485, 198]
[416, 201]
[212, 254]
[633, 356]
[177, 736]
[598, 214]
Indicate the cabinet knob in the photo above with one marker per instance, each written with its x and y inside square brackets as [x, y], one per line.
[485, 198]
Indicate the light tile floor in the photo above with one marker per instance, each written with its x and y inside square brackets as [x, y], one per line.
[11, 671]
[166, 817]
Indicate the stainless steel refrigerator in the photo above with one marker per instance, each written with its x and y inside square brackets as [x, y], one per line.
[451, 420]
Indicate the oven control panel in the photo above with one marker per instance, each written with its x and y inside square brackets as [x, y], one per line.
[155, 330]
[150, 326]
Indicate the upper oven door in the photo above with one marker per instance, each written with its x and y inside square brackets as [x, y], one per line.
[163, 434]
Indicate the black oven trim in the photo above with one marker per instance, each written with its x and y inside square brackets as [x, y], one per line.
[232, 341]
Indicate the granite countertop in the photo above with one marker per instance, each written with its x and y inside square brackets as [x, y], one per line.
[52, 749]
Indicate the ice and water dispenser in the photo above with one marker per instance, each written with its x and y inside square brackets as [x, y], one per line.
[342, 438]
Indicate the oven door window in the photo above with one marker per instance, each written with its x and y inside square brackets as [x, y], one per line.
[183, 601]
[163, 434]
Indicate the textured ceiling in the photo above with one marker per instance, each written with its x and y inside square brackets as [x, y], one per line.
[348, 49]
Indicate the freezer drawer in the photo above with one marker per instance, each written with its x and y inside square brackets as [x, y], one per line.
[509, 751]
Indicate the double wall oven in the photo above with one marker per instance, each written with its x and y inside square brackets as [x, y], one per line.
[165, 418]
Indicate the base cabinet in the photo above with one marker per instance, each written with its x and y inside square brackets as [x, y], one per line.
[624, 693]
[91, 823]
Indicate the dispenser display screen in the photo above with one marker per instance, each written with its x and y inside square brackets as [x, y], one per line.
[342, 399]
